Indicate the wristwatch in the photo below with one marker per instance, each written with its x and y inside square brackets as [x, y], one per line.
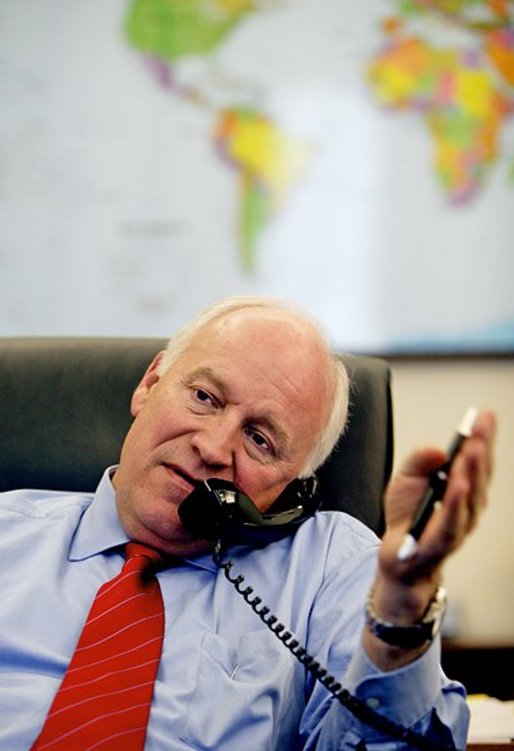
[409, 637]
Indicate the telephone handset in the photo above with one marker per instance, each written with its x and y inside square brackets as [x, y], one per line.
[217, 510]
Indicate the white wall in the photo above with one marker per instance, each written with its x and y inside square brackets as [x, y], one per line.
[429, 399]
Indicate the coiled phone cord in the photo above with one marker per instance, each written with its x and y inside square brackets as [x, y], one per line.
[356, 706]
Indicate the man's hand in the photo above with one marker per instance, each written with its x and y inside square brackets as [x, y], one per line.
[403, 589]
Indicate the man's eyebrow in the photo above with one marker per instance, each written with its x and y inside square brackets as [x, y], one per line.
[264, 418]
[209, 375]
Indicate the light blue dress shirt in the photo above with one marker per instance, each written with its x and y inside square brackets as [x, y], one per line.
[225, 682]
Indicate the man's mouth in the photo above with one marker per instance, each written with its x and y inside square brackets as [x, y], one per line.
[186, 480]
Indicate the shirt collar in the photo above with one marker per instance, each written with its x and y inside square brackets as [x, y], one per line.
[100, 528]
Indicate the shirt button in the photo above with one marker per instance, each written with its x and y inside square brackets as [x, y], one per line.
[373, 702]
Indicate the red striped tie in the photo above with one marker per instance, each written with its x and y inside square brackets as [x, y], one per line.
[103, 702]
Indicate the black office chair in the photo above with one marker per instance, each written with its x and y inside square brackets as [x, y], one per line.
[64, 411]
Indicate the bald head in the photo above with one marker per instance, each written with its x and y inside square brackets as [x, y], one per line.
[278, 335]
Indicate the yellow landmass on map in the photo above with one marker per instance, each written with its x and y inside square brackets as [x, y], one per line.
[268, 160]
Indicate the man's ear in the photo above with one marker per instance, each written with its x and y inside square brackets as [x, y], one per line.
[146, 384]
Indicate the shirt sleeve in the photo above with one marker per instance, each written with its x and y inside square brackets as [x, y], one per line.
[417, 696]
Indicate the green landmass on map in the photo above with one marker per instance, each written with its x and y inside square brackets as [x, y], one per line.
[173, 29]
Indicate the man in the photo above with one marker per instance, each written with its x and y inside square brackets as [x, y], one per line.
[250, 394]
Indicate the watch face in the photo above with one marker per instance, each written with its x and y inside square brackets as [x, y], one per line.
[436, 611]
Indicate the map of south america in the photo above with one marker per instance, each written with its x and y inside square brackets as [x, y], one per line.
[267, 160]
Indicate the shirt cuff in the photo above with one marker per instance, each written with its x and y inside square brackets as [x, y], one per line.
[404, 695]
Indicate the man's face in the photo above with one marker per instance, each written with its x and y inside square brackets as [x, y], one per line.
[243, 403]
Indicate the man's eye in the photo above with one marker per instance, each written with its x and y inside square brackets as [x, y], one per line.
[203, 396]
[259, 440]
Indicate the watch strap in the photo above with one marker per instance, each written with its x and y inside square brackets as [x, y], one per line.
[408, 637]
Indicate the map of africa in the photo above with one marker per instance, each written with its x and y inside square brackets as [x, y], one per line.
[463, 94]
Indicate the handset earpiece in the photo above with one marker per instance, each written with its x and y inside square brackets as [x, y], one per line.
[218, 510]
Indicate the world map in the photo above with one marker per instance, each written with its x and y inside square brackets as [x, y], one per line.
[463, 93]
[353, 158]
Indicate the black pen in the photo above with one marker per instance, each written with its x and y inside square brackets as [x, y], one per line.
[436, 487]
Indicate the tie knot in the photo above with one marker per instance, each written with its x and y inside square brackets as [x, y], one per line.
[137, 550]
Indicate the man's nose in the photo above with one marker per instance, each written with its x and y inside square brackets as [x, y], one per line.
[215, 442]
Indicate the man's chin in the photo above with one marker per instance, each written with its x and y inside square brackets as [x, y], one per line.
[172, 539]
[154, 520]
[183, 547]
